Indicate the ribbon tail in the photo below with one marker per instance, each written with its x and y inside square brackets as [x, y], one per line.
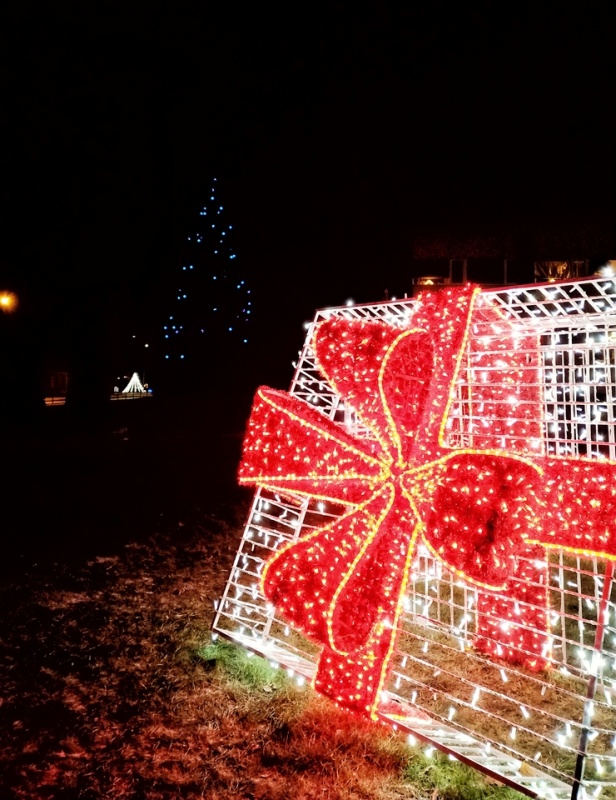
[355, 680]
[369, 592]
[513, 624]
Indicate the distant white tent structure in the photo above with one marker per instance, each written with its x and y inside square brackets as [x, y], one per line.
[134, 385]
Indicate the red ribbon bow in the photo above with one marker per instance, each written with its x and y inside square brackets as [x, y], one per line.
[475, 509]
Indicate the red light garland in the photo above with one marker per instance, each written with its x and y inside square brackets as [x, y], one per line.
[485, 512]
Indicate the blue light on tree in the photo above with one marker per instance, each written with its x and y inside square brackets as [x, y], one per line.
[211, 304]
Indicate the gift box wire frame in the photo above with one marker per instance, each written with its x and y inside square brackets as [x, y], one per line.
[550, 733]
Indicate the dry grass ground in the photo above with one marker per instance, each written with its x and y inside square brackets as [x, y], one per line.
[110, 688]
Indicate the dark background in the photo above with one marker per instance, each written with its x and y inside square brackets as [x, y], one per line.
[341, 134]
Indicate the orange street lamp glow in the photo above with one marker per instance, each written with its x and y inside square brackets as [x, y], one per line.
[8, 302]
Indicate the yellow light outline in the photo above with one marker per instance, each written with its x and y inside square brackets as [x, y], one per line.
[577, 550]
[388, 485]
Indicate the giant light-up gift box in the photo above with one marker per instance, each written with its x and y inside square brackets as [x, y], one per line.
[517, 681]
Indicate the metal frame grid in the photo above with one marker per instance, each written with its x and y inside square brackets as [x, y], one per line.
[550, 733]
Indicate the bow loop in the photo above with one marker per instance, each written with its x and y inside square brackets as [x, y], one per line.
[476, 508]
[321, 582]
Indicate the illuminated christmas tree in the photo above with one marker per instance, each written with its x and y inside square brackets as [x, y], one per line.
[211, 306]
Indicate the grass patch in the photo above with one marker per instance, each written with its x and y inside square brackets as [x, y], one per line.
[113, 689]
[440, 777]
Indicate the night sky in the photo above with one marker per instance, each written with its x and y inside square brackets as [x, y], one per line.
[337, 134]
